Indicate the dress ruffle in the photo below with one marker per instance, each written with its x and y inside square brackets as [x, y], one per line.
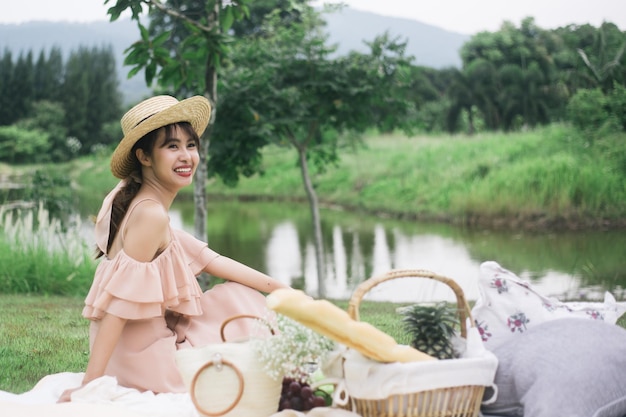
[137, 290]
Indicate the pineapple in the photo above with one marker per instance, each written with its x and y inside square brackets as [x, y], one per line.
[431, 329]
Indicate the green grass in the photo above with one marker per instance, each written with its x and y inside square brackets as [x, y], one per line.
[43, 335]
[40, 336]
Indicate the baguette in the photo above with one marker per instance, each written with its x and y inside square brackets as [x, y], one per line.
[331, 321]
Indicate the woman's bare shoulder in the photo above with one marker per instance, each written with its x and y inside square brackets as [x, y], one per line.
[148, 227]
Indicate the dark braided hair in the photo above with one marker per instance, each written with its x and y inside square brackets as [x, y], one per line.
[125, 195]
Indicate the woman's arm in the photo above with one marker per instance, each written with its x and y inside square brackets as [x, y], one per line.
[146, 232]
[106, 339]
[227, 268]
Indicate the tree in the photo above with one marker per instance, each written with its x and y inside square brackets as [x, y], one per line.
[90, 95]
[48, 76]
[283, 88]
[606, 56]
[7, 115]
[21, 146]
[516, 75]
[391, 103]
[523, 96]
[22, 86]
[47, 119]
[192, 66]
[462, 95]
[188, 40]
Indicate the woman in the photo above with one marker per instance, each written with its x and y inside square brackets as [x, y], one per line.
[145, 302]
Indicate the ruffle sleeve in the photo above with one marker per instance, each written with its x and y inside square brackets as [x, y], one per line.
[197, 252]
[136, 290]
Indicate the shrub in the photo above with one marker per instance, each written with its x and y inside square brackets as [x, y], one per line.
[19, 146]
[587, 109]
[39, 255]
[617, 104]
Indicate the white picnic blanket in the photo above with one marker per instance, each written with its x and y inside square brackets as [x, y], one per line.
[103, 397]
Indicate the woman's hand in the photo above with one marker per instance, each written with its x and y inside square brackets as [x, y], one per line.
[66, 396]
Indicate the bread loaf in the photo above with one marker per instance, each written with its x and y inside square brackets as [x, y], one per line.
[335, 323]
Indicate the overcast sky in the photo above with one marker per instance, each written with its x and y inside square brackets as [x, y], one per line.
[463, 16]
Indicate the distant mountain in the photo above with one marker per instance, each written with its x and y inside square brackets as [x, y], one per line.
[431, 46]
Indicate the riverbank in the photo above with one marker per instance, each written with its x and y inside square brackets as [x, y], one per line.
[551, 178]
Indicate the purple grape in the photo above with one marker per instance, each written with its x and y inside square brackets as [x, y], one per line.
[296, 403]
[284, 405]
[318, 401]
[306, 392]
[294, 388]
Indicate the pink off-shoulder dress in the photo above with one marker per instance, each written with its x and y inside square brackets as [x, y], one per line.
[166, 310]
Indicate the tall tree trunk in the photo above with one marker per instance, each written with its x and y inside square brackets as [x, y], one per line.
[317, 223]
[200, 180]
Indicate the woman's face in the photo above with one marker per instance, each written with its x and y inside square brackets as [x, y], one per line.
[174, 157]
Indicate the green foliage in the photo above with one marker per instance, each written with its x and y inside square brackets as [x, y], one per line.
[48, 116]
[286, 89]
[603, 55]
[588, 109]
[598, 113]
[430, 117]
[527, 75]
[60, 100]
[185, 43]
[617, 104]
[52, 189]
[91, 98]
[20, 146]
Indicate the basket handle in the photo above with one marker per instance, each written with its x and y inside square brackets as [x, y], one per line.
[463, 308]
[218, 362]
[244, 316]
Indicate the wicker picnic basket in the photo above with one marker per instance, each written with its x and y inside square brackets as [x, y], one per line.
[442, 388]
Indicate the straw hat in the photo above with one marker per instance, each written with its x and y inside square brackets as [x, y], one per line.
[150, 115]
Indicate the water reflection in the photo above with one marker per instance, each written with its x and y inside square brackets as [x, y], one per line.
[434, 253]
[278, 242]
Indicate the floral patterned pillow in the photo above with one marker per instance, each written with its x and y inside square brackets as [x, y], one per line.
[508, 306]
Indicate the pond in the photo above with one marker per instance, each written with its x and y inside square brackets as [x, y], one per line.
[276, 238]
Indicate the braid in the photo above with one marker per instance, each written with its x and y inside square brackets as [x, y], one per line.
[119, 207]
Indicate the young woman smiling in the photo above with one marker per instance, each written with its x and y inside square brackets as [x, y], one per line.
[145, 301]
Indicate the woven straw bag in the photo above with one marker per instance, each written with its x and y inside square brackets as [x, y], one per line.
[227, 379]
[452, 387]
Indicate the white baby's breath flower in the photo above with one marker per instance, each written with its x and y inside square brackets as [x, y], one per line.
[293, 351]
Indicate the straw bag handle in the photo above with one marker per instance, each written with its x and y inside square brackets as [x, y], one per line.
[244, 316]
[218, 362]
[463, 308]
